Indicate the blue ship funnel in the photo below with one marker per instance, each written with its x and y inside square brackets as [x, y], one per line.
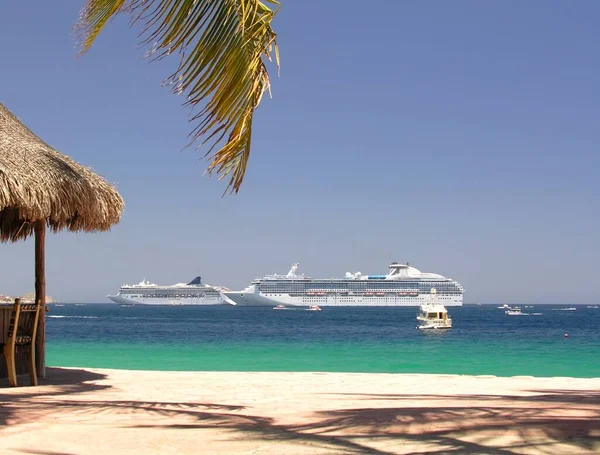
[195, 281]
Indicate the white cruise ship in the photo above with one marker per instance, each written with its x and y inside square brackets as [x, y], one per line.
[192, 293]
[402, 286]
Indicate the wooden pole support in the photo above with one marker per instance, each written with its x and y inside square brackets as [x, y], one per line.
[40, 294]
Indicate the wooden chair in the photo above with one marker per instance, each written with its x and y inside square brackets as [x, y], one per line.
[22, 330]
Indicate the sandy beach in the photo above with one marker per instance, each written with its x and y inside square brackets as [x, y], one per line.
[93, 411]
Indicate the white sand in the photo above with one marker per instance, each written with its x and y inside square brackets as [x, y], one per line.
[117, 412]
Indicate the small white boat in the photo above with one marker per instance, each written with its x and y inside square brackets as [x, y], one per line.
[593, 306]
[314, 308]
[515, 312]
[512, 309]
[280, 307]
[432, 315]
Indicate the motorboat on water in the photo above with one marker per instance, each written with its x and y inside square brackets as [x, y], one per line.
[280, 307]
[314, 308]
[432, 315]
[507, 307]
[516, 311]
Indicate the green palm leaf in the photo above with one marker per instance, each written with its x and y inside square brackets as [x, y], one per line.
[222, 45]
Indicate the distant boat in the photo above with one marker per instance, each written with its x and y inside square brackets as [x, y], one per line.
[507, 308]
[515, 312]
[314, 308]
[280, 307]
[593, 306]
[564, 309]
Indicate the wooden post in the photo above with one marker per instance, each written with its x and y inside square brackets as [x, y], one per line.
[40, 294]
[9, 349]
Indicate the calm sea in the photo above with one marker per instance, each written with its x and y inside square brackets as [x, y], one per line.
[483, 341]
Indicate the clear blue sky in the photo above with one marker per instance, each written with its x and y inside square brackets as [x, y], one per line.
[460, 136]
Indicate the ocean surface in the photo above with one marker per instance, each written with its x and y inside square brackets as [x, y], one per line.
[484, 341]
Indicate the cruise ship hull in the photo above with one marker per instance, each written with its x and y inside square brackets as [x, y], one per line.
[192, 293]
[166, 301]
[259, 299]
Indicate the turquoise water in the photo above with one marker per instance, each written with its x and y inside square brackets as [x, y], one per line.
[483, 341]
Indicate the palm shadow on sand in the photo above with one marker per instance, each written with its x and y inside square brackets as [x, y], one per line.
[536, 422]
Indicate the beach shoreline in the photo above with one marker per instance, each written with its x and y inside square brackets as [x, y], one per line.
[350, 373]
[97, 411]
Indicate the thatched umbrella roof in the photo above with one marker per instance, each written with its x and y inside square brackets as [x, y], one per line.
[39, 183]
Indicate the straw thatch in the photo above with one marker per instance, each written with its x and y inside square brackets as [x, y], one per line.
[39, 183]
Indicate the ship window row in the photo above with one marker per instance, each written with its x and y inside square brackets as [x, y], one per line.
[150, 292]
[171, 296]
[361, 283]
[346, 292]
[400, 294]
[389, 287]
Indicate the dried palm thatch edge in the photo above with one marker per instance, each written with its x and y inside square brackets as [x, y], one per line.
[39, 183]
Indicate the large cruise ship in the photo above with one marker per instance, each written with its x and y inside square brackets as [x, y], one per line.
[402, 286]
[192, 293]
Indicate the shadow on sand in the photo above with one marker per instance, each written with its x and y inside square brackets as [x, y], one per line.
[66, 381]
[471, 424]
[437, 429]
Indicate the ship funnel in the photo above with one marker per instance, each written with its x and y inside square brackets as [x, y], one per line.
[195, 281]
[292, 272]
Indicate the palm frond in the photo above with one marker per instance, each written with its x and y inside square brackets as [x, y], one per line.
[222, 45]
